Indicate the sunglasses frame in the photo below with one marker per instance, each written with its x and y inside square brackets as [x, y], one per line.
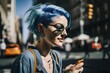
[59, 29]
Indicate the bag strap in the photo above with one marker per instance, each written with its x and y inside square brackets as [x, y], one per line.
[35, 62]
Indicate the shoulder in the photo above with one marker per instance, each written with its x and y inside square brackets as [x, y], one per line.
[25, 57]
[23, 62]
[26, 54]
[58, 54]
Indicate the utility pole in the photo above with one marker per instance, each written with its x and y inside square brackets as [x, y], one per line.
[81, 20]
[82, 36]
[82, 9]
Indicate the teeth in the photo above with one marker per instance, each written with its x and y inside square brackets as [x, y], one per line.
[59, 38]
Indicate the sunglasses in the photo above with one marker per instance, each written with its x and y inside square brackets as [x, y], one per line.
[59, 28]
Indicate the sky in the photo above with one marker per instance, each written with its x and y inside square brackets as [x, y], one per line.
[21, 7]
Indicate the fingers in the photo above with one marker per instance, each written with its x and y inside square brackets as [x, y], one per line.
[79, 61]
[79, 65]
[75, 68]
[81, 70]
[69, 67]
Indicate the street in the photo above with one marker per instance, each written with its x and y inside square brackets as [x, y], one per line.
[93, 64]
[5, 64]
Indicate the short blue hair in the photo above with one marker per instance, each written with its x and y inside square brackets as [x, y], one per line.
[43, 13]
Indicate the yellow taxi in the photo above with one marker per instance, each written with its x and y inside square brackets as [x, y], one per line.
[12, 49]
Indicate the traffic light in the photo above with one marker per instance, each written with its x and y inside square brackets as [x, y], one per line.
[90, 11]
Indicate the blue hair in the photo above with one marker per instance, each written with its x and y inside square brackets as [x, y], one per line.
[43, 13]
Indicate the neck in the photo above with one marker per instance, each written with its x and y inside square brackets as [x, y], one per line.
[43, 47]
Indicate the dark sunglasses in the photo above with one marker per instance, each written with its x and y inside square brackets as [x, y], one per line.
[59, 28]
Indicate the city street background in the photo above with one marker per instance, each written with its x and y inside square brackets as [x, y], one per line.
[94, 64]
[89, 34]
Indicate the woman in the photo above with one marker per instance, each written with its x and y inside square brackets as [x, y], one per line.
[49, 23]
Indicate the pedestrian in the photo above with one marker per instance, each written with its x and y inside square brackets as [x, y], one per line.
[106, 49]
[3, 47]
[68, 48]
[49, 22]
[86, 49]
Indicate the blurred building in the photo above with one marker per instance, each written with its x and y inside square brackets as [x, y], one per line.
[11, 20]
[3, 15]
[18, 30]
[95, 15]
[7, 18]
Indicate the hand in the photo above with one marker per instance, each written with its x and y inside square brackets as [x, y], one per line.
[75, 68]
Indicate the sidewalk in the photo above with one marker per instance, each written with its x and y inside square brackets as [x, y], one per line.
[78, 55]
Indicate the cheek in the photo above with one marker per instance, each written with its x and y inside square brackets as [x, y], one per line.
[53, 40]
[50, 37]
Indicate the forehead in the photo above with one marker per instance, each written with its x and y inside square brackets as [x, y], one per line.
[59, 19]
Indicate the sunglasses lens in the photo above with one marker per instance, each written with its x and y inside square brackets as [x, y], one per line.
[68, 30]
[57, 32]
[59, 27]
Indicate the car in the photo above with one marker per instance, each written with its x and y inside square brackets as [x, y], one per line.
[12, 49]
[96, 46]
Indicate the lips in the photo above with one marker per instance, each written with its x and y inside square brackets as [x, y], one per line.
[61, 39]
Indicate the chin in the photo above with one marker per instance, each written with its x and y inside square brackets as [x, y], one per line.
[58, 45]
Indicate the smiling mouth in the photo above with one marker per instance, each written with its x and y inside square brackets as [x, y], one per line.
[60, 39]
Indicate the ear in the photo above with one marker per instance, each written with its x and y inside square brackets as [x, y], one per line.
[40, 28]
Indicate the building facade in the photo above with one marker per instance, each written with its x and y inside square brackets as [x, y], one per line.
[7, 19]
[3, 15]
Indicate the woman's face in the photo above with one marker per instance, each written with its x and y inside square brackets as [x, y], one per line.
[56, 31]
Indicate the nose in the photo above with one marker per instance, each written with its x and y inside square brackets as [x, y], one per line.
[64, 32]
